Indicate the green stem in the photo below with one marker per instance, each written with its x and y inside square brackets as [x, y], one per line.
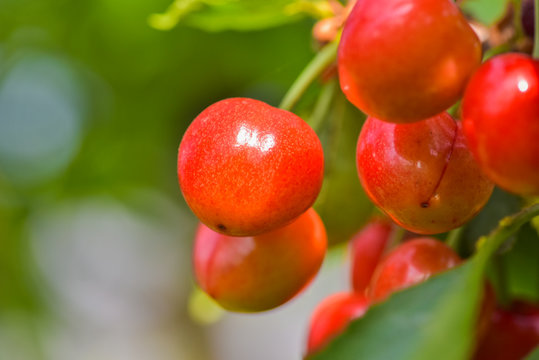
[395, 239]
[453, 238]
[488, 245]
[322, 105]
[496, 51]
[317, 65]
[536, 44]
[517, 19]
[501, 280]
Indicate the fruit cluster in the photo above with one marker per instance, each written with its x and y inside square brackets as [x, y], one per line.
[375, 275]
[251, 172]
[377, 272]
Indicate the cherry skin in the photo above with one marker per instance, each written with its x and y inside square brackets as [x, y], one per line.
[332, 316]
[410, 263]
[245, 167]
[512, 333]
[258, 273]
[422, 175]
[406, 60]
[500, 111]
[367, 248]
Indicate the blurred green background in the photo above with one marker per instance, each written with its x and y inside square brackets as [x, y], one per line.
[95, 237]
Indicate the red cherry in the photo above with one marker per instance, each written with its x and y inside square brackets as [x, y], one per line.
[422, 174]
[367, 248]
[406, 60]
[500, 112]
[332, 316]
[512, 334]
[258, 273]
[411, 263]
[245, 167]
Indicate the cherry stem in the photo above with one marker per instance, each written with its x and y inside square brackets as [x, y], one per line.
[397, 234]
[322, 105]
[453, 238]
[318, 64]
[536, 44]
[501, 281]
[487, 245]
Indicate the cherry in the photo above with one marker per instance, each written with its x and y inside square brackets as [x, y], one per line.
[332, 316]
[367, 247]
[500, 112]
[512, 334]
[410, 263]
[422, 174]
[258, 273]
[245, 167]
[406, 60]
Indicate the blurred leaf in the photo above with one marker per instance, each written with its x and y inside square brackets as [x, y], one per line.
[42, 109]
[430, 321]
[19, 290]
[203, 309]
[534, 355]
[500, 204]
[342, 204]
[244, 15]
[486, 11]
[522, 267]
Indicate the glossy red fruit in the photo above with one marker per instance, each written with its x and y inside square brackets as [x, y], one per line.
[406, 60]
[245, 167]
[500, 111]
[332, 316]
[422, 175]
[512, 334]
[250, 274]
[411, 263]
[367, 248]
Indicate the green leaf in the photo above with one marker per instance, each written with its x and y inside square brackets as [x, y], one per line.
[486, 11]
[522, 266]
[241, 15]
[534, 355]
[500, 204]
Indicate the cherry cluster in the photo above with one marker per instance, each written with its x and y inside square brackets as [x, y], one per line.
[377, 271]
[251, 172]
[375, 275]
